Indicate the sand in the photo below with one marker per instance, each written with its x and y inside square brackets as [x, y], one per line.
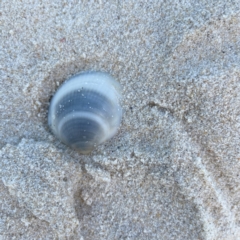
[172, 171]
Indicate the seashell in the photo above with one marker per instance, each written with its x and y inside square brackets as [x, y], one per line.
[85, 111]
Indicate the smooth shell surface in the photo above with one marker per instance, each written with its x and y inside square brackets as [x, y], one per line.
[85, 111]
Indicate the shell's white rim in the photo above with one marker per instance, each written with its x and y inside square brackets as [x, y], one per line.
[99, 82]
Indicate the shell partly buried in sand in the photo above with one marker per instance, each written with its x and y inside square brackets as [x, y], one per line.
[85, 111]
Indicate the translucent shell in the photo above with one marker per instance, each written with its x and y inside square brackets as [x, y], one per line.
[85, 111]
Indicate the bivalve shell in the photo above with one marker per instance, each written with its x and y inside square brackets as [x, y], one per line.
[85, 111]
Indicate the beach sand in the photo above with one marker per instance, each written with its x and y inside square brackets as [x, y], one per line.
[172, 170]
